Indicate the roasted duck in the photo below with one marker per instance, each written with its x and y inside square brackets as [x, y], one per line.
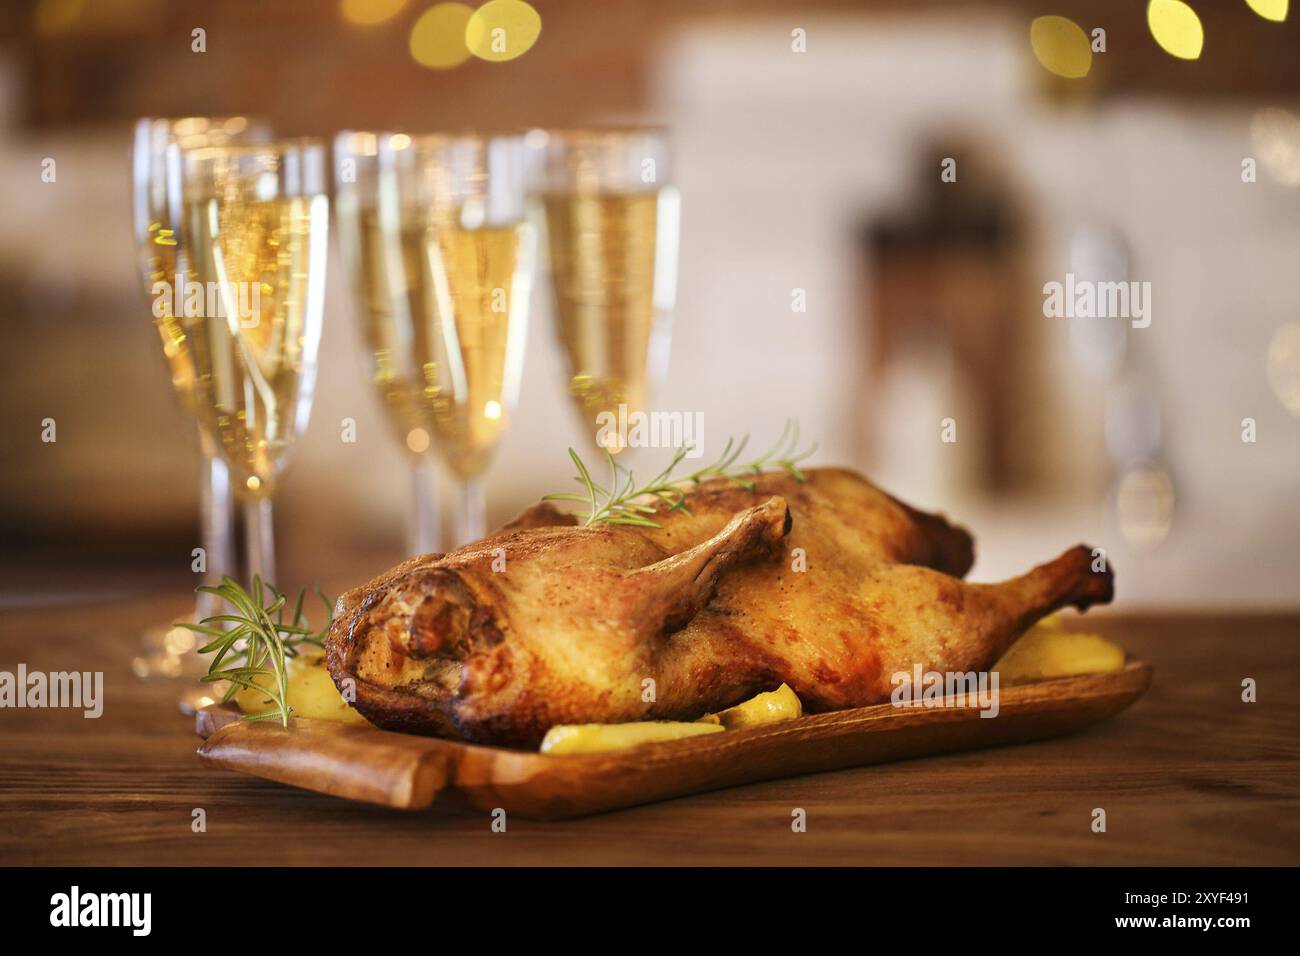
[829, 585]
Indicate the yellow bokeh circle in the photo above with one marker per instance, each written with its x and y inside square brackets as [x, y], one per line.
[51, 17]
[1176, 27]
[370, 12]
[438, 36]
[501, 30]
[1061, 46]
[1274, 10]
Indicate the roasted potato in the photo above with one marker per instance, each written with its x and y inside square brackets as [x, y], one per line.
[311, 693]
[769, 708]
[598, 738]
[1048, 651]
[772, 707]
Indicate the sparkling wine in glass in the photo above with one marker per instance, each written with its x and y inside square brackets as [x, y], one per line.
[612, 232]
[254, 226]
[169, 649]
[462, 200]
[383, 244]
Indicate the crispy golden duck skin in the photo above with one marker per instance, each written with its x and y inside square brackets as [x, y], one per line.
[708, 607]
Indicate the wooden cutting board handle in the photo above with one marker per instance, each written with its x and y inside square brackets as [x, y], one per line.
[357, 762]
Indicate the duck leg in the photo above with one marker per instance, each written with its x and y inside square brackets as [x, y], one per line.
[943, 624]
[662, 597]
[840, 645]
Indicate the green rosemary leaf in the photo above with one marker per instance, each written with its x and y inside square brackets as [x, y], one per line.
[255, 651]
[628, 503]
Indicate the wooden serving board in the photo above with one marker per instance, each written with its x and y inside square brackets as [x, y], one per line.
[409, 772]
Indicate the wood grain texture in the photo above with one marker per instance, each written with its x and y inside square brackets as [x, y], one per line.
[1189, 775]
[359, 763]
[407, 772]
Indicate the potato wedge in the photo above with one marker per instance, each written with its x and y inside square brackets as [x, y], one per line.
[769, 708]
[1048, 651]
[599, 738]
[311, 693]
[772, 707]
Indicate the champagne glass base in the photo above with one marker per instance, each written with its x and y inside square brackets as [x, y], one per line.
[194, 699]
[170, 653]
[167, 652]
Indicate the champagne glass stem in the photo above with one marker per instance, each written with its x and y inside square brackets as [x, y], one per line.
[424, 531]
[218, 533]
[260, 539]
[473, 511]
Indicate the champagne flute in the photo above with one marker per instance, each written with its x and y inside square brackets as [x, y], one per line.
[169, 648]
[254, 227]
[383, 245]
[612, 232]
[463, 198]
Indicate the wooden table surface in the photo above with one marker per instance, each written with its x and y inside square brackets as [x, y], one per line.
[1189, 775]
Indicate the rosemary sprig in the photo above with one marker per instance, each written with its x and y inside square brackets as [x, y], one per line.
[625, 502]
[255, 642]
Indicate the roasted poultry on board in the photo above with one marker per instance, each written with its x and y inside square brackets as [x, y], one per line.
[829, 585]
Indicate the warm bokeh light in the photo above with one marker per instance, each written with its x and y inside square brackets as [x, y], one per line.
[1274, 10]
[253, 483]
[52, 17]
[1144, 506]
[492, 410]
[178, 640]
[1061, 46]
[417, 440]
[438, 36]
[361, 144]
[1176, 27]
[369, 12]
[1283, 366]
[1275, 135]
[501, 30]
